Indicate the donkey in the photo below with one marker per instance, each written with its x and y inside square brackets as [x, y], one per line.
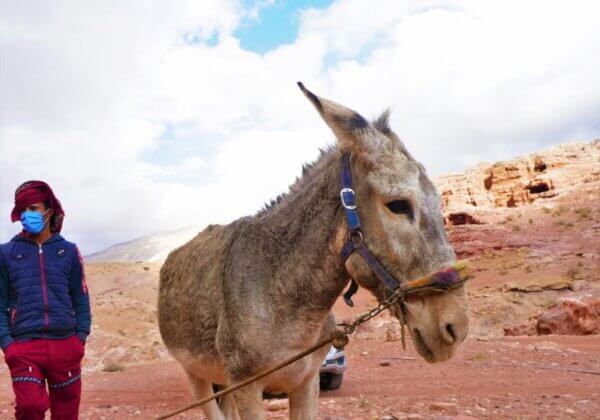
[239, 298]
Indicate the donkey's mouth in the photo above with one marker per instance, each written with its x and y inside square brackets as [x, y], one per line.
[422, 348]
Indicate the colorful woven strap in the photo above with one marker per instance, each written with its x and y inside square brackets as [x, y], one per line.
[442, 280]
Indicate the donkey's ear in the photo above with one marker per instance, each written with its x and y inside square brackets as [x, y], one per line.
[348, 126]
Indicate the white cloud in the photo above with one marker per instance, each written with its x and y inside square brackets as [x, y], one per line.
[88, 91]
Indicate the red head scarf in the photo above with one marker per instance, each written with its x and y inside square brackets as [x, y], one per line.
[32, 192]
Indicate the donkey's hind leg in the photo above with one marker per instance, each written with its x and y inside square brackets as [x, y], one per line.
[201, 388]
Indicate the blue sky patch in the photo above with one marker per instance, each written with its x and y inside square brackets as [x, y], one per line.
[276, 24]
[180, 141]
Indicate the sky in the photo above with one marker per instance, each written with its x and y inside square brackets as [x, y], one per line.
[145, 117]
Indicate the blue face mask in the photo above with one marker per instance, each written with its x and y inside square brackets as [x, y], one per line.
[33, 221]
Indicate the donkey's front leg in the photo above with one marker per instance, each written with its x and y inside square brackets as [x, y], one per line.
[201, 388]
[304, 399]
[249, 400]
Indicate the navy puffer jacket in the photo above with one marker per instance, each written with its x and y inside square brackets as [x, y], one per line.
[43, 293]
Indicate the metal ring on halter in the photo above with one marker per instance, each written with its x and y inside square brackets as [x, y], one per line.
[356, 237]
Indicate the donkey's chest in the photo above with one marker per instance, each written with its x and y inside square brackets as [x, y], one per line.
[254, 347]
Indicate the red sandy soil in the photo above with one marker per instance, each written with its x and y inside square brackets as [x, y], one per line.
[524, 377]
[491, 376]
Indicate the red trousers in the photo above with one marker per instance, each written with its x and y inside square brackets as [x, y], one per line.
[34, 362]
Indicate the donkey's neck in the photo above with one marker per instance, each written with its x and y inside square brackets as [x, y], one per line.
[303, 226]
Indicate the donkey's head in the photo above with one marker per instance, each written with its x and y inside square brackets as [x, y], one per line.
[402, 224]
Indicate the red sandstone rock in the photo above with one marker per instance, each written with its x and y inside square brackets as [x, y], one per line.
[571, 317]
[521, 329]
[462, 218]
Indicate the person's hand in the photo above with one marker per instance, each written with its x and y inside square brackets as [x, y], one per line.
[82, 341]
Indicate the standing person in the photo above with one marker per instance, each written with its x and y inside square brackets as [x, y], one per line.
[44, 308]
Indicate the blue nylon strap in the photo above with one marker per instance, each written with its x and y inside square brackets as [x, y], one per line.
[347, 194]
[349, 203]
[380, 272]
[348, 249]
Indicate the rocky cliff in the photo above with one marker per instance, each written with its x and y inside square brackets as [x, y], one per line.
[469, 195]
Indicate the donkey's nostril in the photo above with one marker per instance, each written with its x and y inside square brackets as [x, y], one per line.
[449, 335]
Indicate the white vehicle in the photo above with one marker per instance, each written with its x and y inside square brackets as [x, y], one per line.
[332, 370]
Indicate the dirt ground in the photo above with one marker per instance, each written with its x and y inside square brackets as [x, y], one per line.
[129, 373]
[497, 377]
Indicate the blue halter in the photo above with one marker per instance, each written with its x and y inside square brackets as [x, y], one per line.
[440, 281]
[355, 241]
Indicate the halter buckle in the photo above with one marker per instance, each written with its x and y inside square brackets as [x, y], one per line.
[350, 204]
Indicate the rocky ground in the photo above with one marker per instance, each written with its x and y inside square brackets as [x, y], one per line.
[535, 262]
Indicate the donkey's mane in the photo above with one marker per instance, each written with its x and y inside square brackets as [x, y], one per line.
[309, 170]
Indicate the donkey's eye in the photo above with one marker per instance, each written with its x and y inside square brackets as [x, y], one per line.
[400, 207]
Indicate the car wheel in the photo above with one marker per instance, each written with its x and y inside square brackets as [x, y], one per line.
[329, 381]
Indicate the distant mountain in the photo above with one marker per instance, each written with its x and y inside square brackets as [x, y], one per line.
[149, 248]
